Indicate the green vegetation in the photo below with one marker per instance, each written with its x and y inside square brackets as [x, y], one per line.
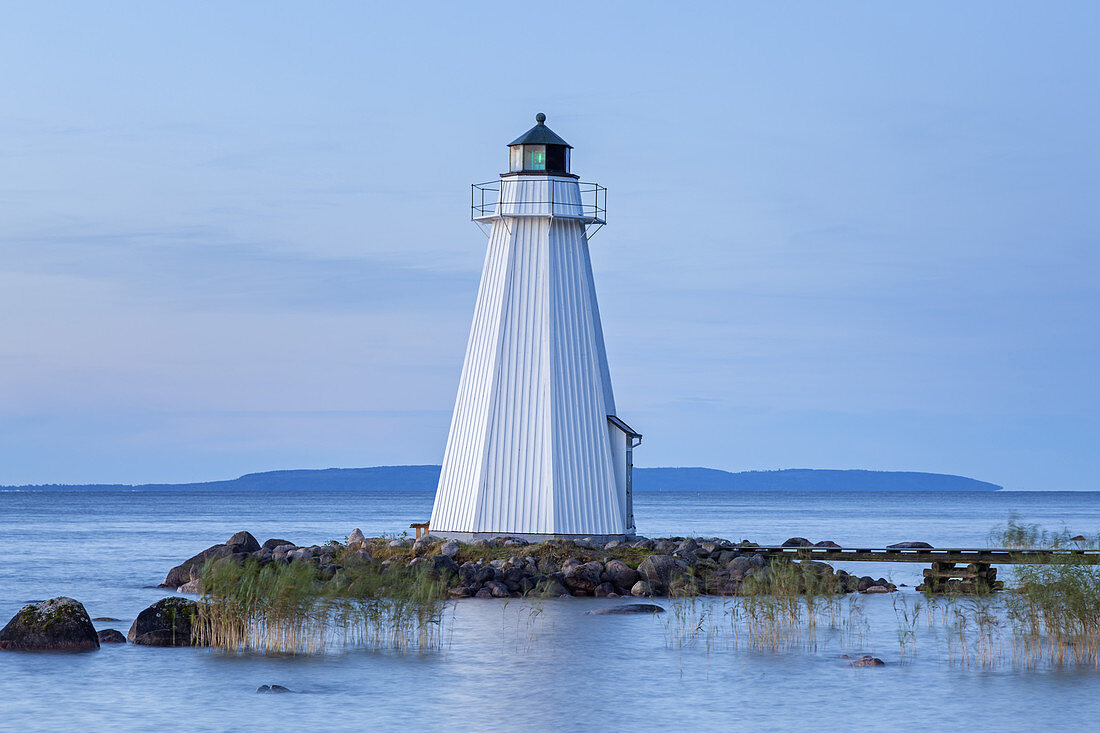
[291, 608]
[1054, 609]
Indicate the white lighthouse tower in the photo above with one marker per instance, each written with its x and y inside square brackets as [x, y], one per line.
[535, 448]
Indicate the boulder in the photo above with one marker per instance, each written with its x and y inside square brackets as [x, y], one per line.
[243, 542]
[273, 543]
[400, 543]
[584, 577]
[739, 566]
[484, 593]
[551, 588]
[798, 542]
[688, 545]
[192, 567]
[165, 623]
[826, 543]
[191, 586]
[642, 589]
[444, 565]
[59, 624]
[496, 588]
[356, 537]
[449, 548]
[627, 608]
[662, 570]
[111, 636]
[665, 547]
[603, 590]
[910, 546]
[462, 591]
[621, 575]
[876, 589]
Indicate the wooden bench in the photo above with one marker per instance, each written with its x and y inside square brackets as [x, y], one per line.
[420, 527]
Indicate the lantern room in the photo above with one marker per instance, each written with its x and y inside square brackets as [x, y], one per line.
[539, 151]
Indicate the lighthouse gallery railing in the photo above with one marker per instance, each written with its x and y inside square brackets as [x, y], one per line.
[529, 198]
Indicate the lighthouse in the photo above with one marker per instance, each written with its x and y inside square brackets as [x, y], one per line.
[536, 449]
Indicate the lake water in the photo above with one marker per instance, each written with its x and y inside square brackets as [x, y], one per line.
[499, 670]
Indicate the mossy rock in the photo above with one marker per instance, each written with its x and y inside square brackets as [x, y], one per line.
[59, 624]
[168, 622]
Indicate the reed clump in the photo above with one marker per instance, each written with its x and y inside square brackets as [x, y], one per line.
[1054, 608]
[293, 608]
[784, 607]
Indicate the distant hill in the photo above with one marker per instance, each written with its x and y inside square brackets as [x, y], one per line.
[801, 479]
[424, 478]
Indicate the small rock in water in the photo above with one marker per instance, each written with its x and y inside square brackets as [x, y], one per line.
[909, 546]
[876, 589]
[104, 618]
[826, 543]
[272, 688]
[649, 608]
[798, 542]
[867, 661]
[111, 636]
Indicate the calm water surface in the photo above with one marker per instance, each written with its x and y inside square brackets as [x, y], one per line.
[568, 672]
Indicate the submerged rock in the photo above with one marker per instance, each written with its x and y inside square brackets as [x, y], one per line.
[272, 688]
[59, 624]
[909, 546]
[627, 608]
[111, 636]
[867, 661]
[165, 623]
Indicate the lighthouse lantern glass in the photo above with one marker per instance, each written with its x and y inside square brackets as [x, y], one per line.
[515, 159]
[534, 157]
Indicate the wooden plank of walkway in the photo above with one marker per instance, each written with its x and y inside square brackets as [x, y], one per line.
[982, 555]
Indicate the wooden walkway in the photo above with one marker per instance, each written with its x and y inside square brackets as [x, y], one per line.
[980, 555]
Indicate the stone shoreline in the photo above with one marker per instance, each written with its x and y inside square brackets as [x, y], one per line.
[511, 567]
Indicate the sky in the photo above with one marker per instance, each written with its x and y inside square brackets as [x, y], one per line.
[235, 237]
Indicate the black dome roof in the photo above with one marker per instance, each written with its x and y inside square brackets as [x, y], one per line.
[540, 134]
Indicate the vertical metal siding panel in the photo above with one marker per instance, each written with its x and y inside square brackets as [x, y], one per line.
[456, 495]
[511, 499]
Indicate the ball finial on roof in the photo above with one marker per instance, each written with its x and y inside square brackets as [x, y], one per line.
[540, 118]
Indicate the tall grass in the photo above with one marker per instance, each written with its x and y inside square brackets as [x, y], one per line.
[292, 608]
[789, 606]
[1054, 608]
